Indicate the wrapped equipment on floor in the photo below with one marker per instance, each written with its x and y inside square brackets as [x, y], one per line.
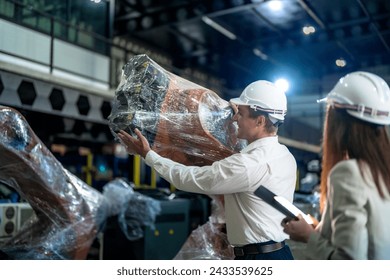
[68, 212]
[209, 241]
[66, 209]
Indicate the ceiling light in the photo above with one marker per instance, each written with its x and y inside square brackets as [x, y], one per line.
[219, 28]
[307, 30]
[275, 5]
[260, 54]
[283, 84]
[341, 62]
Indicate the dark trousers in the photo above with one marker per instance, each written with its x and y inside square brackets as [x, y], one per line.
[281, 254]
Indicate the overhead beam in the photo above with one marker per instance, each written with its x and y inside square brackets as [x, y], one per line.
[300, 145]
[317, 19]
[311, 13]
[376, 30]
[191, 18]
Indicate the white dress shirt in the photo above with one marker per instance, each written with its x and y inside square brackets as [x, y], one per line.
[248, 218]
[355, 222]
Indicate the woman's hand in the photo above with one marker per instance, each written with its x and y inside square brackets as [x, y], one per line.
[299, 230]
[133, 145]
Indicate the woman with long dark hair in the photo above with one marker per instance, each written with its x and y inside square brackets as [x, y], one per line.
[355, 179]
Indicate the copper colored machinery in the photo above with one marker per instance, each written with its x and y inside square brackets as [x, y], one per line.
[181, 120]
[66, 208]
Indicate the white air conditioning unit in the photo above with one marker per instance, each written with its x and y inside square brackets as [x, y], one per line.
[12, 218]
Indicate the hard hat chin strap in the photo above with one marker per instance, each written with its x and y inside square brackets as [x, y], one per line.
[269, 111]
[275, 121]
[278, 123]
[361, 109]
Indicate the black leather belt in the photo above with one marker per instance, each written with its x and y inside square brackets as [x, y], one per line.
[254, 249]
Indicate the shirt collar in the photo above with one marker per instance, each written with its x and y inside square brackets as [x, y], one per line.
[261, 143]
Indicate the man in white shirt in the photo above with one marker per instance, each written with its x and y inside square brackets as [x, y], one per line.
[253, 226]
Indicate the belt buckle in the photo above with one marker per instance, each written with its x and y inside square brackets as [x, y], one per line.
[238, 251]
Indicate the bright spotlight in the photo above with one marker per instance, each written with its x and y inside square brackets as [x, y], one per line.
[275, 5]
[283, 84]
[341, 62]
[308, 30]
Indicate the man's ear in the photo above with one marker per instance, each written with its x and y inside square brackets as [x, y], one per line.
[260, 120]
[234, 107]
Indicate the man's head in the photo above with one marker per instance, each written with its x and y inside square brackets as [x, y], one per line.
[261, 109]
[265, 98]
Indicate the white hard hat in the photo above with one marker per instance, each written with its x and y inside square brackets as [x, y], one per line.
[364, 95]
[264, 96]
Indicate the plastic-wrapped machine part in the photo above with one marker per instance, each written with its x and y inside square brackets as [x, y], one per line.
[209, 241]
[135, 210]
[68, 211]
[181, 120]
[117, 193]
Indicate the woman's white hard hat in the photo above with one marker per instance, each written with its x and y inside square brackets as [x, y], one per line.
[264, 96]
[364, 95]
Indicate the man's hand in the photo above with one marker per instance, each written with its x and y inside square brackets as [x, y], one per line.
[134, 146]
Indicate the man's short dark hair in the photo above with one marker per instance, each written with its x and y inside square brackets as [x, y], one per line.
[269, 126]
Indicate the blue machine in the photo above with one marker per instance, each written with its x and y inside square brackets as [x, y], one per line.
[164, 241]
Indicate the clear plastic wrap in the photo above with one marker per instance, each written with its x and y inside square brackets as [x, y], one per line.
[66, 209]
[135, 211]
[209, 241]
[181, 120]
[68, 212]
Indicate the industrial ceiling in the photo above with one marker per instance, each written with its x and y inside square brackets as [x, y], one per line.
[239, 41]
[310, 43]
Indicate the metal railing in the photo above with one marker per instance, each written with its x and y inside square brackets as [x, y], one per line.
[57, 29]
[82, 36]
